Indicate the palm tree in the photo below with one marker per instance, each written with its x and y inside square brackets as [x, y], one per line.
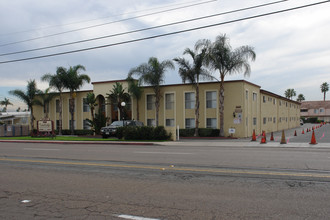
[72, 81]
[153, 74]
[192, 73]
[29, 97]
[56, 81]
[118, 95]
[91, 101]
[300, 98]
[221, 57]
[324, 89]
[136, 91]
[5, 102]
[290, 93]
[46, 97]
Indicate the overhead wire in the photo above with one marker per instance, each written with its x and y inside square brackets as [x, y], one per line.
[145, 29]
[107, 23]
[84, 21]
[167, 34]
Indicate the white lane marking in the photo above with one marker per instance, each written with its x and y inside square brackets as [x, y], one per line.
[135, 217]
[154, 152]
[41, 149]
[25, 201]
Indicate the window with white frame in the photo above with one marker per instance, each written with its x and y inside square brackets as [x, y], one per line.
[170, 122]
[211, 99]
[189, 100]
[57, 103]
[86, 107]
[151, 122]
[169, 101]
[254, 121]
[316, 111]
[211, 123]
[254, 96]
[150, 102]
[86, 125]
[190, 123]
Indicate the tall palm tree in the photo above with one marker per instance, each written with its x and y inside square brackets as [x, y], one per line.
[73, 81]
[56, 81]
[192, 73]
[290, 93]
[118, 95]
[136, 91]
[153, 74]
[46, 97]
[29, 97]
[5, 103]
[300, 98]
[228, 61]
[324, 89]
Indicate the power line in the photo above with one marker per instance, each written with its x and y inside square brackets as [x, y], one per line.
[107, 23]
[84, 21]
[144, 29]
[166, 34]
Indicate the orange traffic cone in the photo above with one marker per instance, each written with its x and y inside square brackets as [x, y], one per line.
[271, 136]
[295, 133]
[313, 140]
[254, 138]
[303, 132]
[263, 139]
[283, 141]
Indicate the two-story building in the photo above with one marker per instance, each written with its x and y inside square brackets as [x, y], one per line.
[246, 107]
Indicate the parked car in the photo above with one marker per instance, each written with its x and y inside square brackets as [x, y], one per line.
[111, 129]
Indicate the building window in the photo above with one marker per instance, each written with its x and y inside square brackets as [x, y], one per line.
[170, 122]
[316, 111]
[254, 121]
[189, 100]
[86, 125]
[46, 107]
[211, 123]
[85, 105]
[274, 101]
[246, 94]
[264, 99]
[321, 110]
[265, 120]
[169, 101]
[57, 124]
[150, 102]
[254, 96]
[274, 120]
[151, 122]
[57, 105]
[190, 123]
[211, 99]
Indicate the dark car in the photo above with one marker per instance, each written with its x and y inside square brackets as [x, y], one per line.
[110, 130]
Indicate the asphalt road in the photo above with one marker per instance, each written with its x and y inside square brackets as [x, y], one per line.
[55, 181]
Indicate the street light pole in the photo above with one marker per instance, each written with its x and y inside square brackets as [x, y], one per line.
[121, 113]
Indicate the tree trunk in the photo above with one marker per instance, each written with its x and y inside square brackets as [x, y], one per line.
[72, 114]
[197, 111]
[221, 105]
[60, 117]
[137, 110]
[31, 122]
[324, 96]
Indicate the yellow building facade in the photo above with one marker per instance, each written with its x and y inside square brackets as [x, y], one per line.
[246, 108]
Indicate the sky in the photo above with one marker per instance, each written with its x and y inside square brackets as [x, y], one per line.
[292, 47]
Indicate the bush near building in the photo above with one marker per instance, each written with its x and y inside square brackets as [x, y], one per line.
[142, 133]
[202, 132]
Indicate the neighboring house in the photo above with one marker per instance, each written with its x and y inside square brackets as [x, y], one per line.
[316, 109]
[247, 107]
[15, 118]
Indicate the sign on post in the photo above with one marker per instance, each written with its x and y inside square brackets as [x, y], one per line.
[45, 127]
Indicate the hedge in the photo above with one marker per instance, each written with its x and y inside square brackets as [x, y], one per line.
[142, 133]
[202, 132]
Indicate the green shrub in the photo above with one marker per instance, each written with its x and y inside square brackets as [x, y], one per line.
[202, 132]
[142, 133]
[189, 132]
[76, 132]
